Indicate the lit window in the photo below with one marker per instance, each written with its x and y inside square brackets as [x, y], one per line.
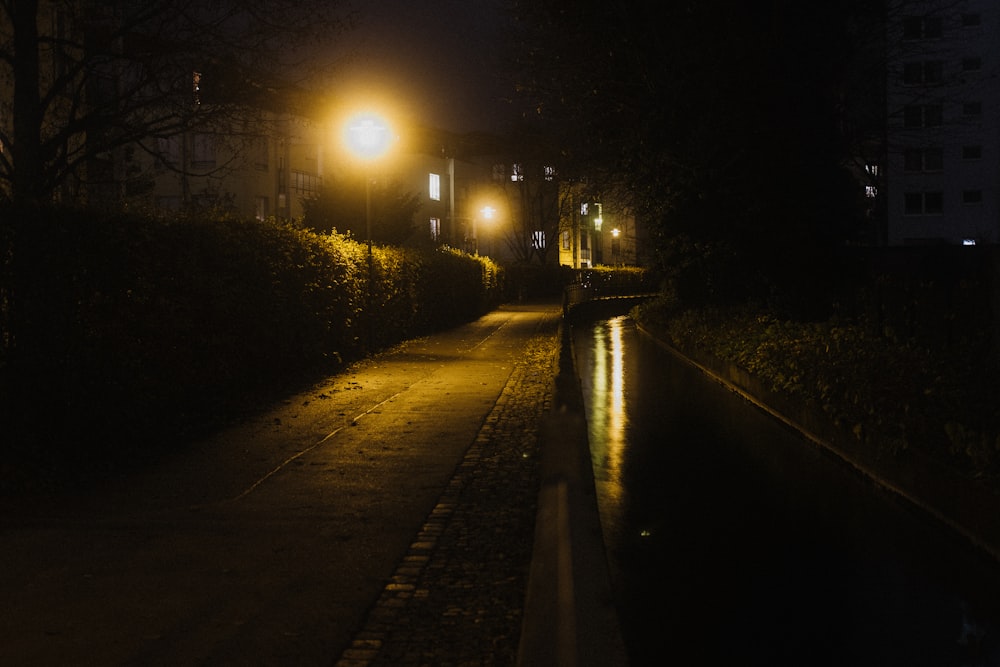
[584, 208]
[538, 240]
[872, 169]
[565, 240]
[434, 187]
[305, 183]
[196, 87]
[550, 173]
[435, 229]
[968, 241]
[871, 191]
[516, 174]
[262, 208]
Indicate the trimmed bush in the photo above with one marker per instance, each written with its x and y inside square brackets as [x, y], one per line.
[125, 330]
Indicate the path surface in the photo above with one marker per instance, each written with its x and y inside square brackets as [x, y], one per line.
[384, 517]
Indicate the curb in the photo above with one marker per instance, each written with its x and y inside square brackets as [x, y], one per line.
[570, 618]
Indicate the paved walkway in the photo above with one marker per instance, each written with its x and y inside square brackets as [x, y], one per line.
[383, 518]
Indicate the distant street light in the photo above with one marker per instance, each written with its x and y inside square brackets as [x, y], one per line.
[369, 137]
[487, 213]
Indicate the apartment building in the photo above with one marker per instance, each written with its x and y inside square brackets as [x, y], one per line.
[595, 233]
[942, 176]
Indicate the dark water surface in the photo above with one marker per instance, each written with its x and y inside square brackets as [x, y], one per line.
[734, 541]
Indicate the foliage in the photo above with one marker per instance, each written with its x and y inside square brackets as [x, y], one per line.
[127, 329]
[340, 207]
[87, 81]
[891, 394]
[617, 280]
[719, 136]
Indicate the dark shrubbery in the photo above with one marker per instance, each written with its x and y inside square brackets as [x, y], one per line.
[909, 363]
[124, 330]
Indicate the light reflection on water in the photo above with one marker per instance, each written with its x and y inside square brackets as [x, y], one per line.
[606, 418]
[726, 533]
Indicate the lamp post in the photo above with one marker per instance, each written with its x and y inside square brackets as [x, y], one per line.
[487, 213]
[369, 138]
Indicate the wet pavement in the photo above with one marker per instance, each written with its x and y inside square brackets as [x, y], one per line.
[384, 517]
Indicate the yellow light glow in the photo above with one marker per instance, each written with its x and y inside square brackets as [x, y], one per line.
[615, 232]
[368, 135]
[488, 212]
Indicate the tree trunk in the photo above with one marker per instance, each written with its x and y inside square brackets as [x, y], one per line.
[27, 119]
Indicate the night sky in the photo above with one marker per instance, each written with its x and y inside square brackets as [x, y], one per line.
[434, 59]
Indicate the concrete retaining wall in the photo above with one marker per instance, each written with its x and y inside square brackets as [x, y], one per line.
[969, 508]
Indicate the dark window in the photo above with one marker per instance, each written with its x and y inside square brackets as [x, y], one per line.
[923, 203]
[913, 73]
[924, 72]
[972, 64]
[923, 159]
[972, 152]
[972, 109]
[933, 27]
[932, 115]
[913, 203]
[922, 27]
[933, 202]
[972, 197]
[933, 159]
[934, 72]
[971, 20]
[203, 150]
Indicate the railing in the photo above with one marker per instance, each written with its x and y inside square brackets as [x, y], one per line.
[586, 302]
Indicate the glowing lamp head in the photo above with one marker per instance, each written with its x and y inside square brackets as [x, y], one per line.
[368, 136]
[488, 212]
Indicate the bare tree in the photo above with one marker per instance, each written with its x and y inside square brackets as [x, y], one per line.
[531, 191]
[82, 79]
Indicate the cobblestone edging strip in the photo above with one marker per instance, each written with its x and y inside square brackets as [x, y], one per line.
[457, 597]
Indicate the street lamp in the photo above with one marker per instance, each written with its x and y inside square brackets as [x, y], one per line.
[487, 213]
[368, 136]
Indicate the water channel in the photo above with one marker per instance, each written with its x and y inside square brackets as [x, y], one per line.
[732, 540]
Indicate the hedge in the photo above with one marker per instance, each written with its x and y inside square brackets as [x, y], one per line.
[121, 330]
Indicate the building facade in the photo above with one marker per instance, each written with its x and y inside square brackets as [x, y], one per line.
[942, 176]
[595, 233]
